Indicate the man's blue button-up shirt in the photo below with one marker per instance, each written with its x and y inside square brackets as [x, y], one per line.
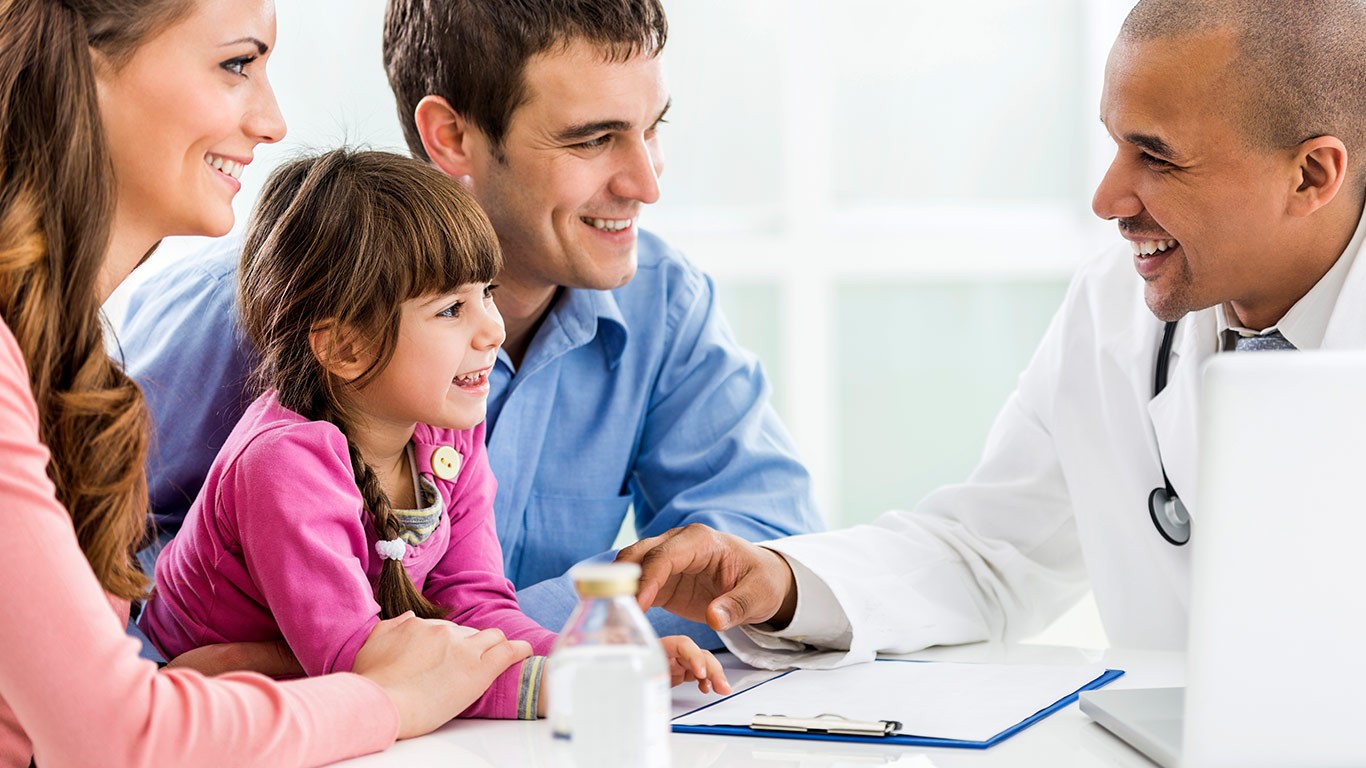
[638, 397]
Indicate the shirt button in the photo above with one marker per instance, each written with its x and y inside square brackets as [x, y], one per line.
[446, 462]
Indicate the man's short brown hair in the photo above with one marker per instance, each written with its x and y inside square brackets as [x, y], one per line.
[473, 53]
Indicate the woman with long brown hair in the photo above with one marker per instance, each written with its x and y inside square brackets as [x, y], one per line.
[123, 122]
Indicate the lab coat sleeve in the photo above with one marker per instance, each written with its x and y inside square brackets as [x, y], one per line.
[996, 557]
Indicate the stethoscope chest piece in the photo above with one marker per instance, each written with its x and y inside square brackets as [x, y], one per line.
[1169, 516]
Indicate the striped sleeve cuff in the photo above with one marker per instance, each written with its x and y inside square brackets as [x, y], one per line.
[529, 688]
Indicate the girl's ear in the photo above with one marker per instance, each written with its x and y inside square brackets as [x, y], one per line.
[339, 349]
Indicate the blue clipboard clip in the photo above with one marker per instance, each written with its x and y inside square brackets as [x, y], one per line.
[834, 724]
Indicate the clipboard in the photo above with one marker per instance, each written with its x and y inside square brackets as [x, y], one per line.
[806, 723]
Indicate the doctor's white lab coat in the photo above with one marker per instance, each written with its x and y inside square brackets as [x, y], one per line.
[1061, 494]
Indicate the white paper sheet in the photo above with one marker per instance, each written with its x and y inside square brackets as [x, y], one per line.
[944, 700]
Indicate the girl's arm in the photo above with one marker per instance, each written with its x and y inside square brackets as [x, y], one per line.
[291, 500]
[469, 578]
[73, 678]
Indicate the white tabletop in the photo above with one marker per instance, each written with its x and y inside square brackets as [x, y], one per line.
[1066, 738]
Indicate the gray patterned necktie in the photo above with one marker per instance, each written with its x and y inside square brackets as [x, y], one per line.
[1272, 340]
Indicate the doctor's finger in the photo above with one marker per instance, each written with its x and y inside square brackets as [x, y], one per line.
[764, 590]
[681, 551]
[742, 605]
[635, 552]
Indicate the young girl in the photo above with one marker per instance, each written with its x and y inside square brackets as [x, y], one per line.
[357, 487]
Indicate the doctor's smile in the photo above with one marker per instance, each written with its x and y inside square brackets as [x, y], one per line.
[1151, 249]
[1150, 256]
[1145, 248]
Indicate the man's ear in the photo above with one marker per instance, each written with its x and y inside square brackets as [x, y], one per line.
[446, 135]
[339, 349]
[1321, 169]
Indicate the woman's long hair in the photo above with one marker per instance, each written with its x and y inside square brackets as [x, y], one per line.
[343, 239]
[57, 199]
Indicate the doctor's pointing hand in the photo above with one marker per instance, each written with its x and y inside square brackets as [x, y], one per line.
[705, 575]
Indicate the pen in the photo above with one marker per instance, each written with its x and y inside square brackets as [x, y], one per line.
[835, 724]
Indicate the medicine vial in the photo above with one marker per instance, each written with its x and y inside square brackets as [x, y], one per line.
[607, 679]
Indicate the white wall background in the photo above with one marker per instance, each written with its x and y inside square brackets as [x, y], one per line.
[891, 195]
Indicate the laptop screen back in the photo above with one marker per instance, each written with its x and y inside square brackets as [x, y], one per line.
[1277, 655]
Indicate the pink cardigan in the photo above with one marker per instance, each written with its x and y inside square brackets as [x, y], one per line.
[72, 677]
[279, 545]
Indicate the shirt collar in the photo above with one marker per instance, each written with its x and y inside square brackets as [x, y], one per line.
[1305, 324]
[596, 312]
[575, 318]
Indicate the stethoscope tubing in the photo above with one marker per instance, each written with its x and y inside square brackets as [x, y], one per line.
[1165, 507]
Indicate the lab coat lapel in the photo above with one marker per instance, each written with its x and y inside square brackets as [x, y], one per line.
[1175, 412]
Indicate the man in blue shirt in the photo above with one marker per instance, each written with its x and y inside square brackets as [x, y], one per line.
[619, 386]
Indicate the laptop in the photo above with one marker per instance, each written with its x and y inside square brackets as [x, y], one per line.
[1276, 661]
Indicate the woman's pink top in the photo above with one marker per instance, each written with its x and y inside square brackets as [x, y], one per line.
[73, 690]
[279, 545]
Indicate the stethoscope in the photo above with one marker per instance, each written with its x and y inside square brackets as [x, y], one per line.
[1166, 508]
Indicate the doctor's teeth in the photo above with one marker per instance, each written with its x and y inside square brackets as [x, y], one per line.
[1149, 247]
[607, 225]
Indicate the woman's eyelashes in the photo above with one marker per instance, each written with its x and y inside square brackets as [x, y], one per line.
[238, 65]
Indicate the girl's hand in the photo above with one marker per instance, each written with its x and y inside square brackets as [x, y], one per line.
[687, 663]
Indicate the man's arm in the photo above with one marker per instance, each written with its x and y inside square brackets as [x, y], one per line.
[712, 449]
[182, 343]
[708, 448]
